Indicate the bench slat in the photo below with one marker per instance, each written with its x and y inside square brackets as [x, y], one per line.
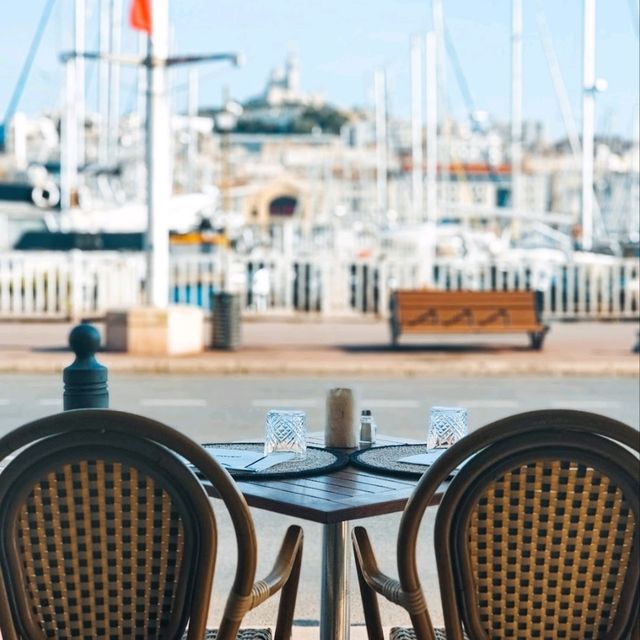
[432, 316]
[480, 308]
[421, 293]
[475, 329]
[490, 298]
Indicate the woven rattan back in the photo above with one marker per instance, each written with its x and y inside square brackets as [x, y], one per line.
[558, 564]
[105, 533]
[537, 534]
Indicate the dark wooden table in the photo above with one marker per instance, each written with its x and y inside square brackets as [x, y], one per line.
[333, 500]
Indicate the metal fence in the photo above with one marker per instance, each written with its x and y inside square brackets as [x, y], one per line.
[87, 284]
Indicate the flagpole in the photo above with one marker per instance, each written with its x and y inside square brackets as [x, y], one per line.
[158, 154]
[152, 16]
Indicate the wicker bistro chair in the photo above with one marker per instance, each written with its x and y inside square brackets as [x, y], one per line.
[536, 535]
[106, 533]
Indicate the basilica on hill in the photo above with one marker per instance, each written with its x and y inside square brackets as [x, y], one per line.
[283, 88]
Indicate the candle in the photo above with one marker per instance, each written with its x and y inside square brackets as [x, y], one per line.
[342, 411]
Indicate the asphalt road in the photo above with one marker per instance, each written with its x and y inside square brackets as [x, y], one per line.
[211, 409]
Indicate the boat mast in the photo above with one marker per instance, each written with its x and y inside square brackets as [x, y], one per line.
[380, 89]
[113, 118]
[432, 129]
[416, 129]
[141, 110]
[192, 114]
[559, 85]
[70, 121]
[104, 72]
[79, 38]
[69, 139]
[430, 216]
[516, 115]
[441, 79]
[588, 116]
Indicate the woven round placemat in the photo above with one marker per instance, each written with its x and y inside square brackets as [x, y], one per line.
[317, 461]
[385, 460]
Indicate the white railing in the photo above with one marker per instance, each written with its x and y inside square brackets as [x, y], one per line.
[597, 288]
[86, 284]
[195, 279]
[295, 284]
[73, 284]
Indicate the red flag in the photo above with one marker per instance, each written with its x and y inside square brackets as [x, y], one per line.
[140, 15]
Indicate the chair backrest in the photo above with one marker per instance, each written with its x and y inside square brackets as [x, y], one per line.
[105, 532]
[537, 535]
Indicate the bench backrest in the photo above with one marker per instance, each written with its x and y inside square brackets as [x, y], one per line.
[428, 308]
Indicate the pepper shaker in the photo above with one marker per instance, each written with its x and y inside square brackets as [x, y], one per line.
[367, 429]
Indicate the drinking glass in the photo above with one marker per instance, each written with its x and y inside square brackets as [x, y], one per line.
[286, 431]
[448, 425]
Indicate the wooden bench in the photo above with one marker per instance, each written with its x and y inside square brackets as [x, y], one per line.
[431, 311]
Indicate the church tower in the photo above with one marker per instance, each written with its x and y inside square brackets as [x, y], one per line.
[293, 73]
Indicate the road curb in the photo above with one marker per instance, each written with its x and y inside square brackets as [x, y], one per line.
[315, 364]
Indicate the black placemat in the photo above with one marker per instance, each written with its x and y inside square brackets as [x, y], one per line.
[385, 460]
[318, 461]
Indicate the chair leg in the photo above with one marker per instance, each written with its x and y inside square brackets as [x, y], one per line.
[228, 629]
[370, 607]
[422, 627]
[287, 604]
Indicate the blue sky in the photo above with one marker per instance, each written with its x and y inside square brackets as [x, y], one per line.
[341, 42]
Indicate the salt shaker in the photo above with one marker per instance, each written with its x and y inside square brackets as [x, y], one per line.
[367, 429]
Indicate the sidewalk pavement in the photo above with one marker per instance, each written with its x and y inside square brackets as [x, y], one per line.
[358, 347]
[356, 633]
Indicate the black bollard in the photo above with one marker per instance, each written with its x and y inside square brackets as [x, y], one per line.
[85, 379]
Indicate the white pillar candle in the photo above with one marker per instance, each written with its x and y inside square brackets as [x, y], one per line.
[342, 413]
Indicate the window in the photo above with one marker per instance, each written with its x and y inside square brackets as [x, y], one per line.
[284, 206]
